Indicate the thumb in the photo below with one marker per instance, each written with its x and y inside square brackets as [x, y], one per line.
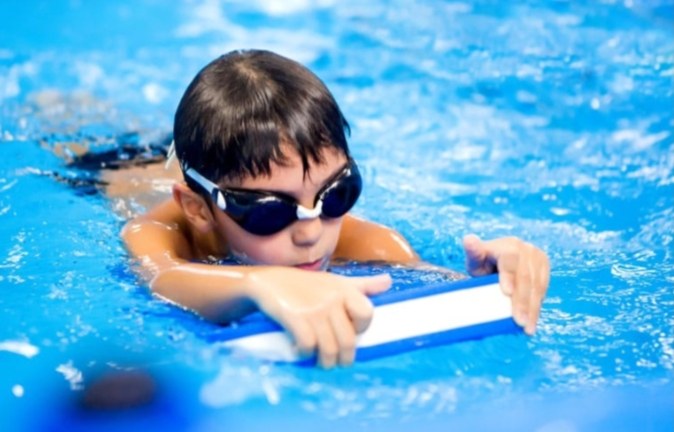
[476, 256]
[371, 285]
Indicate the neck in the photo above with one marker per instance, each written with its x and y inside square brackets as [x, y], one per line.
[205, 245]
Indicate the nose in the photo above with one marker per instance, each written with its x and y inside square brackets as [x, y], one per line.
[307, 232]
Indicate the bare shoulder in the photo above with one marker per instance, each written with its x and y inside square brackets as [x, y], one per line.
[160, 234]
[363, 240]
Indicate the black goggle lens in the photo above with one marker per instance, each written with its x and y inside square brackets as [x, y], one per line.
[259, 215]
[266, 214]
[269, 218]
[342, 195]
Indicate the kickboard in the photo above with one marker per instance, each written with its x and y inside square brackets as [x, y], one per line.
[404, 320]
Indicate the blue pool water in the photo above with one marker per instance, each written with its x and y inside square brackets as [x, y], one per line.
[552, 121]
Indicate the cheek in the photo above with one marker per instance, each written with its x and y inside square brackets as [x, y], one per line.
[331, 230]
[270, 250]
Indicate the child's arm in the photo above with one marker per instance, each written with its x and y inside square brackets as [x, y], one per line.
[322, 311]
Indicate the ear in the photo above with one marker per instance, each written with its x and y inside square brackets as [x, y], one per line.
[194, 207]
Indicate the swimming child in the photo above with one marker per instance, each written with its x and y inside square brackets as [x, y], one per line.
[268, 185]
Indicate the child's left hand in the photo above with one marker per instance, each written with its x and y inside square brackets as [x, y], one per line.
[524, 273]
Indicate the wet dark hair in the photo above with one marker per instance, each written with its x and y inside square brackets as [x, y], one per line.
[241, 108]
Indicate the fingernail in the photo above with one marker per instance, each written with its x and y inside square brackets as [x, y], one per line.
[521, 318]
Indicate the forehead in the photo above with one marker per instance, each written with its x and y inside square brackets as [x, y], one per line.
[290, 175]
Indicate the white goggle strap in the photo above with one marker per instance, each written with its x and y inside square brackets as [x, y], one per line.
[305, 213]
[170, 155]
[208, 185]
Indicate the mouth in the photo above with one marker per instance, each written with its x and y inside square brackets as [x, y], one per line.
[317, 265]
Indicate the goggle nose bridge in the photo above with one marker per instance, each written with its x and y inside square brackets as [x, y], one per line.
[304, 213]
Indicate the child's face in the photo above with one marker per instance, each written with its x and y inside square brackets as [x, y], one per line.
[307, 244]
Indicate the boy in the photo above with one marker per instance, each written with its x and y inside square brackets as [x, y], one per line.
[269, 181]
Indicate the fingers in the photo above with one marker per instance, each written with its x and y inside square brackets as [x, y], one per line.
[304, 336]
[478, 262]
[372, 285]
[336, 340]
[524, 275]
[331, 334]
[346, 322]
[533, 314]
[475, 254]
[508, 267]
[514, 279]
[327, 343]
[331, 338]
[326, 322]
[322, 322]
[360, 310]
[541, 280]
[521, 294]
[528, 269]
[346, 338]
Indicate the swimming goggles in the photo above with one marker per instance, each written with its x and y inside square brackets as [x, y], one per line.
[265, 213]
